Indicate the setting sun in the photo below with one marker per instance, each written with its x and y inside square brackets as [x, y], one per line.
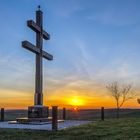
[76, 102]
[75, 108]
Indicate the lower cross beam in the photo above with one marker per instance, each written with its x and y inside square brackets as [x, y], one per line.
[31, 47]
[47, 55]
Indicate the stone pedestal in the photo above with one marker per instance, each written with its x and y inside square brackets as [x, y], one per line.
[38, 111]
[37, 114]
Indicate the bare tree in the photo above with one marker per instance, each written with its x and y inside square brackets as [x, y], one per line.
[138, 100]
[121, 94]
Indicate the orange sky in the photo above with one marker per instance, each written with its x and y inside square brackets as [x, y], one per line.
[16, 100]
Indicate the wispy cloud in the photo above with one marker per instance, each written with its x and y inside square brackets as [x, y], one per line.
[16, 72]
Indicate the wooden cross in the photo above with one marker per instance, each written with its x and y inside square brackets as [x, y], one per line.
[37, 49]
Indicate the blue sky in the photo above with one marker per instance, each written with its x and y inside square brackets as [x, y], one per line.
[94, 42]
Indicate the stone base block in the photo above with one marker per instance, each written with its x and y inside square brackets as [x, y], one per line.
[33, 120]
[38, 112]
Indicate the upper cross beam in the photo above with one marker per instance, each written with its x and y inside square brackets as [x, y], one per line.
[38, 29]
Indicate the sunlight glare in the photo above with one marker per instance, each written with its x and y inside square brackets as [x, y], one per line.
[76, 102]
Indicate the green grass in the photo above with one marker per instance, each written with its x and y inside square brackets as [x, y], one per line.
[111, 129]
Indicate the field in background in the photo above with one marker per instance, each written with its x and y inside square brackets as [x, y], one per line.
[88, 114]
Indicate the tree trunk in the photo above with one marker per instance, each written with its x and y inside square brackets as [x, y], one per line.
[118, 112]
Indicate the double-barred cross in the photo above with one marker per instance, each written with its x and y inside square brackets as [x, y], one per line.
[37, 49]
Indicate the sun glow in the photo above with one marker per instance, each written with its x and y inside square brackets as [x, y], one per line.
[76, 102]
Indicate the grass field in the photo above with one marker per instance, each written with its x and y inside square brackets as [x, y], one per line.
[110, 129]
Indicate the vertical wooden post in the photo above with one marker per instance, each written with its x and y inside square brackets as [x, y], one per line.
[54, 118]
[64, 113]
[102, 113]
[2, 114]
[47, 112]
